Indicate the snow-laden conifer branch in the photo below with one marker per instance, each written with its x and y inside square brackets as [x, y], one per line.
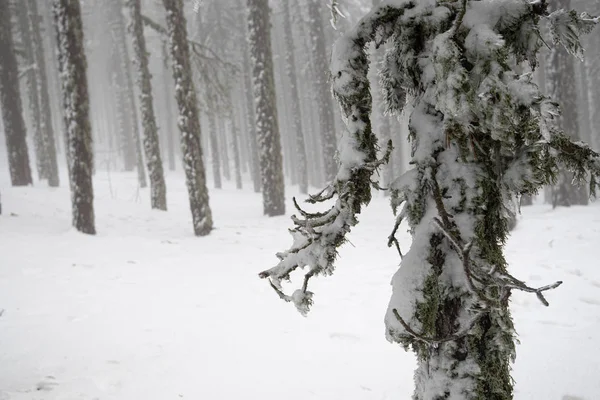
[318, 235]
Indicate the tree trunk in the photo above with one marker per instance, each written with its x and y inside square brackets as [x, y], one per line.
[73, 64]
[323, 92]
[592, 64]
[31, 86]
[296, 114]
[53, 76]
[252, 134]
[168, 128]
[189, 124]
[46, 124]
[131, 134]
[215, 155]
[266, 108]
[223, 148]
[236, 151]
[10, 100]
[158, 189]
[562, 83]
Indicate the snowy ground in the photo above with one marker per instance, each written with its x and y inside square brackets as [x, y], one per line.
[145, 310]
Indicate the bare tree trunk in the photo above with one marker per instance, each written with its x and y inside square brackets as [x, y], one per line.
[10, 100]
[592, 64]
[52, 73]
[46, 125]
[296, 117]
[223, 148]
[189, 124]
[214, 149]
[252, 134]
[73, 65]
[168, 129]
[131, 134]
[236, 151]
[266, 107]
[158, 190]
[323, 92]
[563, 88]
[31, 87]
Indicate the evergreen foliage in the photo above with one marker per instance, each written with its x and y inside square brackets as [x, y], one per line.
[481, 135]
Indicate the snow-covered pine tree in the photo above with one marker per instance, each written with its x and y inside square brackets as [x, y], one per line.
[267, 127]
[158, 189]
[10, 102]
[188, 121]
[73, 69]
[480, 135]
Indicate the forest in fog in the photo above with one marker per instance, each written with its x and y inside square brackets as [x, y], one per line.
[144, 135]
[249, 79]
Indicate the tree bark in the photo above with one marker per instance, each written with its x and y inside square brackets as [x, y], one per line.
[189, 124]
[73, 65]
[266, 108]
[10, 100]
[158, 189]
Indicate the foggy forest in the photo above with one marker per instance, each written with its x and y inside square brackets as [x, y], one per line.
[299, 199]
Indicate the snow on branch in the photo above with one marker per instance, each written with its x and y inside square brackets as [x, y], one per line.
[318, 235]
[566, 28]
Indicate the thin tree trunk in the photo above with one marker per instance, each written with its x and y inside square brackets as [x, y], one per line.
[563, 88]
[10, 101]
[189, 124]
[223, 148]
[251, 118]
[236, 151]
[46, 124]
[31, 87]
[323, 92]
[215, 155]
[296, 117]
[158, 189]
[266, 108]
[73, 64]
[53, 76]
[167, 90]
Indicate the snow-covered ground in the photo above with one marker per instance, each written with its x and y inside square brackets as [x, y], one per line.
[145, 310]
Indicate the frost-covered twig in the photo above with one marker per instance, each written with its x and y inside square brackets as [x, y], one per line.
[392, 240]
[435, 341]
[503, 281]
